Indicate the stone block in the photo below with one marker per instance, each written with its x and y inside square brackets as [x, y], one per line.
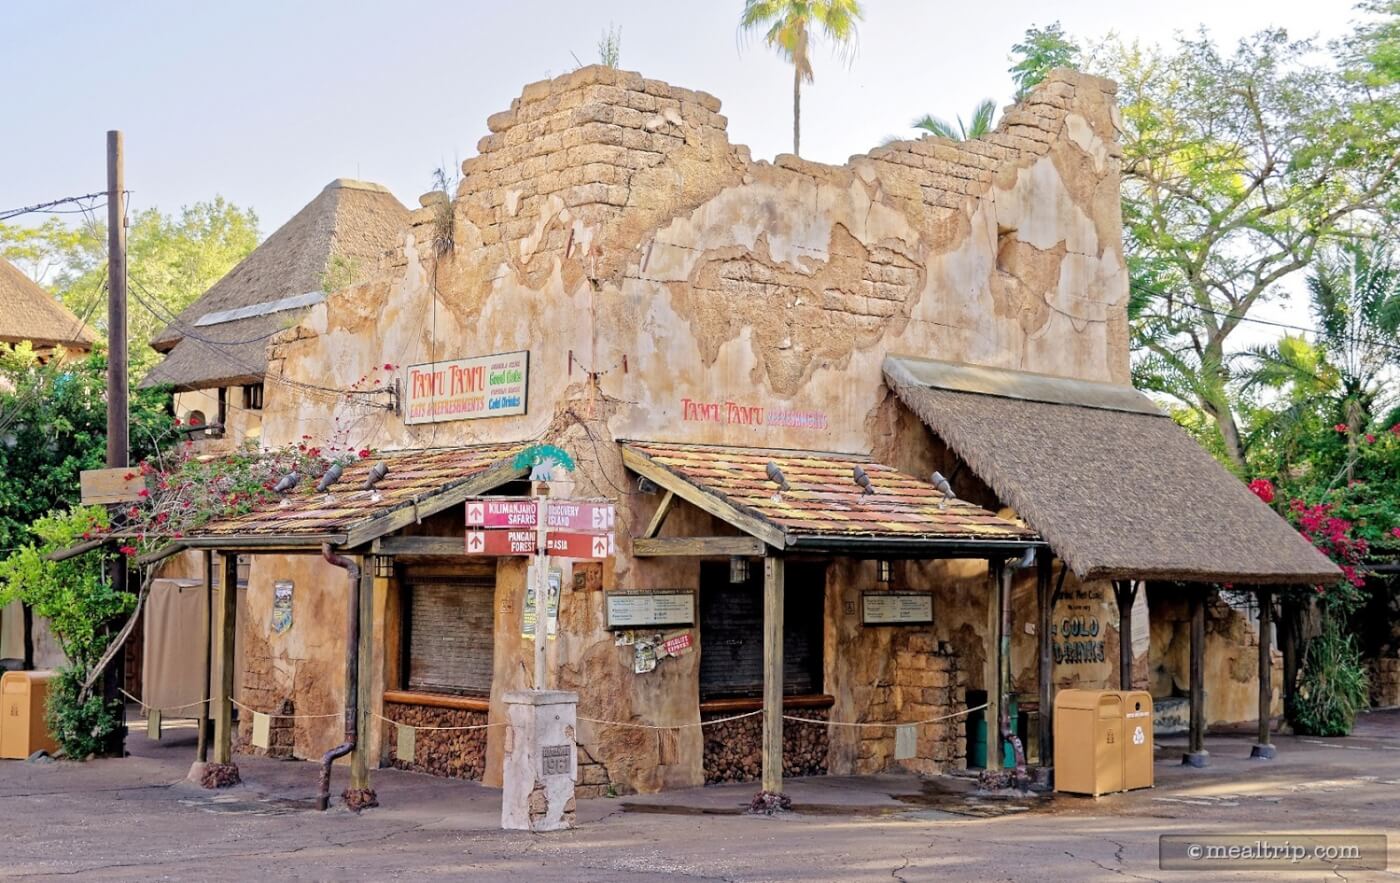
[540, 762]
[499, 122]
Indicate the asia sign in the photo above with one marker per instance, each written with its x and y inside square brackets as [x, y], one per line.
[561, 544]
[467, 389]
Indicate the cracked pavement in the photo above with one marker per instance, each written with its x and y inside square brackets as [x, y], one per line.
[136, 818]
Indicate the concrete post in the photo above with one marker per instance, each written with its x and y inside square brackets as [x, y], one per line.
[541, 757]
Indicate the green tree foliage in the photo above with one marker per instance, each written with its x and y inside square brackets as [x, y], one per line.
[788, 27]
[172, 259]
[1238, 166]
[53, 425]
[1332, 687]
[1040, 51]
[979, 124]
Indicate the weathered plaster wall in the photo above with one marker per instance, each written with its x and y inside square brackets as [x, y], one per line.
[1231, 658]
[242, 425]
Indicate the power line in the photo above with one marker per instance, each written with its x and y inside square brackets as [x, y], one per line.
[16, 212]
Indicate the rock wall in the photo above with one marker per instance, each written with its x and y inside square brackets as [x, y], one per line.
[456, 754]
[1231, 657]
[733, 747]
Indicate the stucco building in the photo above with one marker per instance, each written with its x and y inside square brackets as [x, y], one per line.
[725, 347]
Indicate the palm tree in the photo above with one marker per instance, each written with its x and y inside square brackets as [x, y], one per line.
[788, 25]
[978, 126]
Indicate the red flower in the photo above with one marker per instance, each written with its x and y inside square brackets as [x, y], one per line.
[388, 367]
[1395, 532]
[1370, 439]
[1340, 427]
[364, 453]
[129, 476]
[1263, 489]
[1395, 430]
[134, 512]
[178, 422]
[162, 517]
[127, 550]
[143, 493]
[87, 534]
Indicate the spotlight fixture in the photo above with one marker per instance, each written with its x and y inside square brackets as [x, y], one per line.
[862, 479]
[776, 476]
[738, 570]
[944, 488]
[331, 476]
[287, 482]
[376, 475]
[883, 571]
[646, 485]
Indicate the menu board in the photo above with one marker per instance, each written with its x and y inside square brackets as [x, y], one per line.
[896, 608]
[630, 610]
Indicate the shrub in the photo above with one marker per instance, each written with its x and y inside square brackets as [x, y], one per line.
[80, 726]
[1333, 685]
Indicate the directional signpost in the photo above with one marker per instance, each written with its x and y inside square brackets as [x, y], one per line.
[542, 527]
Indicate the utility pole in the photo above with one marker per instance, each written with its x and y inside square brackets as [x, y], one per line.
[118, 421]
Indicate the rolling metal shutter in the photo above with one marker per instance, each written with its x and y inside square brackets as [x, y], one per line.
[451, 637]
[731, 632]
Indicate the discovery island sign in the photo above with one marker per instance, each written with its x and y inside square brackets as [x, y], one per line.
[467, 389]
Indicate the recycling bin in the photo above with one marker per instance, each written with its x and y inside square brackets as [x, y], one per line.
[22, 729]
[1088, 728]
[1137, 739]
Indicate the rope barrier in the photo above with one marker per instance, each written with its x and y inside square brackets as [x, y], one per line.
[635, 726]
[932, 720]
[389, 720]
[164, 708]
[286, 716]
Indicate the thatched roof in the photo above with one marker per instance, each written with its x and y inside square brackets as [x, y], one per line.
[28, 312]
[1115, 486]
[221, 338]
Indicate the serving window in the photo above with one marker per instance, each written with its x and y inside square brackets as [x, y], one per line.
[449, 635]
[731, 631]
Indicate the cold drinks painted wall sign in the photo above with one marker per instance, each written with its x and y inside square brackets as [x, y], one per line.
[467, 389]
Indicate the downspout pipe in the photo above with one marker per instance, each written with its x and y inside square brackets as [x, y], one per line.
[352, 644]
[1018, 751]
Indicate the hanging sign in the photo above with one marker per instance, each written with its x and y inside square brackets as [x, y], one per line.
[505, 512]
[896, 608]
[467, 389]
[500, 542]
[521, 512]
[580, 515]
[560, 544]
[578, 545]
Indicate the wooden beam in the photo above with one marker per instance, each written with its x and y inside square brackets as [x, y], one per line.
[493, 477]
[225, 634]
[202, 741]
[1124, 594]
[1196, 754]
[773, 575]
[1045, 639]
[723, 510]
[448, 547]
[698, 547]
[659, 516]
[364, 655]
[1264, 749]
[993, 712]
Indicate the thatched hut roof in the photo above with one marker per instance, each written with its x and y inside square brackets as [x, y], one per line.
[221, 338]
[1115, 486]
[28, 312]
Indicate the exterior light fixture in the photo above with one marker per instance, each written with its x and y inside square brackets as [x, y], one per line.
[646, 485]
[331, 477]
[861, 478]
[384, 566]
[376, 475]
[944, 487]
[883, 571]
[738, 570]
[287, 482]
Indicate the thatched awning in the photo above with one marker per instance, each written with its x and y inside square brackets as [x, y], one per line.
[1115, 486]
[29, 313]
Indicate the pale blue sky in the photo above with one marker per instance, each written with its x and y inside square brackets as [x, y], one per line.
[265, 102]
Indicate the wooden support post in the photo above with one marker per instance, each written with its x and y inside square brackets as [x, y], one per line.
[1264, 750]
[1044, 635]
[1125, 593]
[225, 634]
[359, 760]
[1288, 646]
[1196, 754]
[773, 674]
[205, 712]
[994, 698]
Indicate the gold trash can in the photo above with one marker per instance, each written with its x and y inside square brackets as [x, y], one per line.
[22, 728]
[1088, 728]
[1137, 739]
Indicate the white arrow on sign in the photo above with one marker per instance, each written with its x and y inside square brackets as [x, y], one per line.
[475, 541]
[600, 547]
[476, 513]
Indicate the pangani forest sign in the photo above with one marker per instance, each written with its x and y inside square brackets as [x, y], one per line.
[467, 389]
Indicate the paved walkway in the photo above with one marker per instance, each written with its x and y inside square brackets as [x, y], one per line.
[136, 819]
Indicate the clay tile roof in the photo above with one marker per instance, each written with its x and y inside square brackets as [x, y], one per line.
[349, 224]
[824, 502]
[1115, 486]
[28, 312]
[433, 479]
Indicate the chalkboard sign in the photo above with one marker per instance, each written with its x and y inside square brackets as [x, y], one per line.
[632, 610]
[896, 608]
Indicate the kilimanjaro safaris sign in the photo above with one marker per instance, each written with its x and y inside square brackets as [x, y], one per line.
[467, 389]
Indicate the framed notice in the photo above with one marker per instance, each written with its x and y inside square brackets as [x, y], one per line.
[896, 608]
[633, 610]
[467, 389]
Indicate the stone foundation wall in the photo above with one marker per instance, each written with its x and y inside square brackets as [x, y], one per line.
[455, 754]
[733, 749]
[1385, 682]
[927, 683]
[281, 732]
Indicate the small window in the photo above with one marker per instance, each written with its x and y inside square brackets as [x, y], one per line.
[253, 396]
[731, 631]
[245, 566]
[450, 637]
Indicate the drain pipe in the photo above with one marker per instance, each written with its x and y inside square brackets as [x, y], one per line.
[352, 644]
[1018, 751]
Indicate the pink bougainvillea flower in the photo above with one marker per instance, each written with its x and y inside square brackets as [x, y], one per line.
[1370, 439]
[143, 493]
[1263, 489]
[388, 367]
[1340, 427]
[1395, 532]
[127, 550]
[364, 453]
